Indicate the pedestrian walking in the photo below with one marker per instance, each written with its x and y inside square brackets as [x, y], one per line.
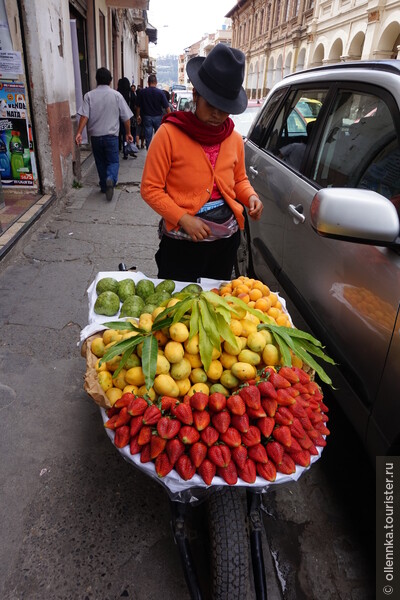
[151, 104]
[195, 177]
[128, 149]
[101, 111]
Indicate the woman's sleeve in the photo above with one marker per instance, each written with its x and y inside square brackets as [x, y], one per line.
[154, 179]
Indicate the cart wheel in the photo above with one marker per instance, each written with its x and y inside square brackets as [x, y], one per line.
[228, 545]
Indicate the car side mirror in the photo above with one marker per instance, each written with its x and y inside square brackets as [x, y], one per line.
[355, 215]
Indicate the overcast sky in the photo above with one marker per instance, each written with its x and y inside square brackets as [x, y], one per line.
[180, 23]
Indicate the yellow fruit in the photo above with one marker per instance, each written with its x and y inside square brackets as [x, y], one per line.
[132, 361]
[119, 380]
[236, 327]
[113, 394]
[139, 349]
[228, 380]
[184, 386]
[283, 321]
[111, 335]
[256, 341]
[172, 302]
[173, 351]
[252, 318]
[296, 361]
[135, 376]
[194, 360]
[239, 312]
[164, 385]
[143, 391]
[218, 387]
[248, 327]
[271, 355]
[163, 365]
[145, 321]
[268, 336]
[215, 354]
[199, 387]
[250, 357]
[255, 294]
[198, 375]
[105, 380]
[227, 360]
[178, 332]
[132, 389]
[157, 311]
[98, 367]
[263, 304]
[98, 347]
[230, 349]
[113, 364]
[192, 345]
[129, 334]
[243, 371]
[215, 370]
[274, 312]
[274, 298]
[243, 342]
[181, 369]
[161, 338]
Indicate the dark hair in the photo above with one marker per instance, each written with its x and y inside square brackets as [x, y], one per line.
[152, 79]
[167, 95]
[103, 76]
[124, 88]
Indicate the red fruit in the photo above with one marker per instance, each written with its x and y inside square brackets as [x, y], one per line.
[209, 436]
[316, 438]
[124, 400]
[157, 445]
[313, 450]
[183, 412]
[252, 437]
[122, 436]
[151, 415]
[110, 424]
[216, 402]
[323, 407]
[185, 467]
[256, 413]
[137, 406]
[289, 374]
[112, 411]
[231, 437]
[163, 465]
[305, 442]
[236, 405]
[278, 381]
[303, 376]
[145, 454]
[251, 395]
[228, 473]
[123, 418]
[266, 425]
[296, 429]
[168, 428]
[258, 453]
[201, 419]
[297, 410]
[267, 390]
[144, 436]
[136, 425]
[315, 417]
[313, 387]
[306, 423]
[188, 435]
[221, 421]
[134, 447]
[197, 453]
[283, 416]
[207, 471]
[294, 446]
[322, 429]
[301, 458]
[266, 470]
[248, 473]
[199, 401]
[270, 406]
[285, 398]
[275, 452]
[287, 465]
[241, 422]
[282, 434]
[239, 455]
[174, 449]
[219, 455]
[300, 387]
[167, 402]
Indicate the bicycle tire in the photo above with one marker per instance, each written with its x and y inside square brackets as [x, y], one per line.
[229, 555]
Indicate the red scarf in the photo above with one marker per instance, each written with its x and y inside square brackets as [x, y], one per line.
[202, 133]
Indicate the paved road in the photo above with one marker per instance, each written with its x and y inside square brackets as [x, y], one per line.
[76, 521]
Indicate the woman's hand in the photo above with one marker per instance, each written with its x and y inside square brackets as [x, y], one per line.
[255, 208]
[194, 227]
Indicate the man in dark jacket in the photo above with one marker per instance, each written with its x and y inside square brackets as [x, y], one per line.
[152, 104]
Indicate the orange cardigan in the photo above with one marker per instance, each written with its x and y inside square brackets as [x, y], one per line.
[178, 177]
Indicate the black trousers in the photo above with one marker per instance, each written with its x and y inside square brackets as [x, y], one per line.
[183, 260]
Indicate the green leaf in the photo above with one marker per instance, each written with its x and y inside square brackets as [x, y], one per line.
[257, 313]
[209, 322]
[284, 350]
[205, 345]
[194, 320]
[314, 350]
[225, 331]
[160, 324]
[121, 325]
[149, 359]
[123, 360]
[297, 333]
[308, 359]
[120, 348]
[181, 308]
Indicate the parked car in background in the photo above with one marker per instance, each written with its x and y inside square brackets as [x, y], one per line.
[178, 95]
[330, 228]
[245, 119]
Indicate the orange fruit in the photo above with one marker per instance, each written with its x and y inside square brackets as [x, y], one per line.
[265, 290]
[244, 296]
[255, 294]
[274, 298]
[263, 304]
[273, 312]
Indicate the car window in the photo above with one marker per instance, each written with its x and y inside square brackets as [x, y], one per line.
[360, 146]
[261, 126]
[291, 131]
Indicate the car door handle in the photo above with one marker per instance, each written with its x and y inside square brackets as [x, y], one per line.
[253, 170]
[297, 213]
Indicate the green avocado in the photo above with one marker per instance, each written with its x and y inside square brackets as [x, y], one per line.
[144, 288]
[107, 303]
[132, 307]
[126, 288]
[107, 284]
[168, 285]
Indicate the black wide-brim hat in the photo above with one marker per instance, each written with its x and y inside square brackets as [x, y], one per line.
[218, 77]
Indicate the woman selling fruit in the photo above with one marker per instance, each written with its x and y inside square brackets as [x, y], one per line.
[195, 177]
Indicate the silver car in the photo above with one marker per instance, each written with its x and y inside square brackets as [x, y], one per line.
[330, 227]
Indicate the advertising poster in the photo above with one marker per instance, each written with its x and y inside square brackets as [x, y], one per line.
[17, 164]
